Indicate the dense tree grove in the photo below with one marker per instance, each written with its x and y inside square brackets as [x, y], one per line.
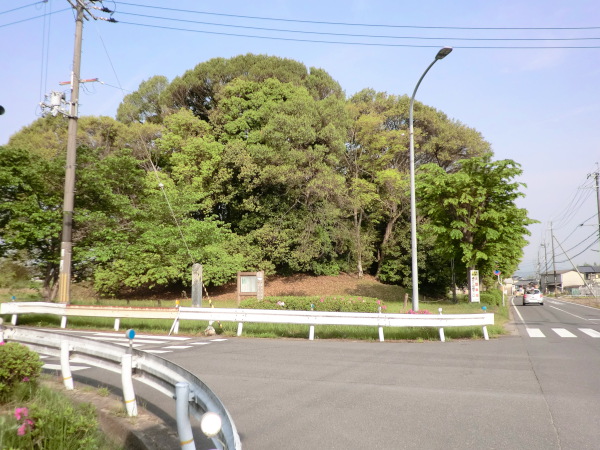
[257, 162]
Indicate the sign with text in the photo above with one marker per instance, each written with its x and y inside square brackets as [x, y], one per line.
[251, 284]
[474, 279]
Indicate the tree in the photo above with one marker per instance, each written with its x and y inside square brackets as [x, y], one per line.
[472, 213]
[30, 211]
[144, 104]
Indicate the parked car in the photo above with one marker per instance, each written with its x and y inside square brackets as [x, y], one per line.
[533, 296]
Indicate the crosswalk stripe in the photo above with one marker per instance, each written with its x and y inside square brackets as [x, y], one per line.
[157, 351]
[535, 333]
[123, 339]
[178, 347]
[199, 343]
[217, 340]
[563, 333]
[590, 332]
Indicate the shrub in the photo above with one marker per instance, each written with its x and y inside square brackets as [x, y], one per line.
[335, 304]
[17, 364]
[492, 297]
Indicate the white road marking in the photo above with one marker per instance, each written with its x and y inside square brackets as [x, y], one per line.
[217, 340]
[590, 332]
[124, 339]
[157, 351]
[563, 333]
[199, 343]
[535, 332]
[571, 314]
[178, 347]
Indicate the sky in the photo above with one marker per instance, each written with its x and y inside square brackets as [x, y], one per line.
[539, 106]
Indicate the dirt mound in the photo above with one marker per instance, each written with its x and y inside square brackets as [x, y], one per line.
[307, 285]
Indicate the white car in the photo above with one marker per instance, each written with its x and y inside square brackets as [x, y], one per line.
[533, 296]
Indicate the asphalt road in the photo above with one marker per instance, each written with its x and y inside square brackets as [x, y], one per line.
[536, 389]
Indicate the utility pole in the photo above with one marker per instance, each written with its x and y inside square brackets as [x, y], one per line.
[66, 247]
[553, 262]
[596, 175]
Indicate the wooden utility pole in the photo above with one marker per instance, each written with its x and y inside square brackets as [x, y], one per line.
[553, 261]
[66, 247]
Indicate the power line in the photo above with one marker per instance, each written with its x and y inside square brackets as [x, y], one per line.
[33, 18]
[16, 9]
[318, 22]
[327, 33]
[371, 44]
[580, 253]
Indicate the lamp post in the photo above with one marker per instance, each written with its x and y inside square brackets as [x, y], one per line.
[413, 204]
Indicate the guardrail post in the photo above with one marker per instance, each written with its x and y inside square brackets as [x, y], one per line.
[485, 333]
[311, 333]
[442, 335]
[240, 327]
[63, 322]
[13, 319]
[380, 329]
[127, 381]
[182, 404]
[117, 324]
[65, 368]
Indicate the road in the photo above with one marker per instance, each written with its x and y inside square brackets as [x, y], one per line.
[519, 391]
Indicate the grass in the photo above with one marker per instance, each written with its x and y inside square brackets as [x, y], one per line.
[390, 295]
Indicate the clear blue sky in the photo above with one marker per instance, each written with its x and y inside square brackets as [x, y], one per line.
[539, 106]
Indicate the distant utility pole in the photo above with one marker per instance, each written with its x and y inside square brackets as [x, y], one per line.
[596, 175]
[553, 261]
[66, 247]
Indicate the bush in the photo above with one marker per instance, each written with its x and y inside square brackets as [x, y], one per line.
[51, 422]
[17, 364]
[335, 304]
[492, 297]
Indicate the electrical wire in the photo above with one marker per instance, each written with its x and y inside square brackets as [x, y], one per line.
[33, 18]
[371, 44]
[582, 252]
[20, 7]
[317, 22]
[354, 35]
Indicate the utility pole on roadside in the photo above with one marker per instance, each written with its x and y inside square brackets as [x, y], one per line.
[66, 247]
[596, 175]
[553, 261]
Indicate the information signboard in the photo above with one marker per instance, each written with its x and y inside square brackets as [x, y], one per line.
[474, 279]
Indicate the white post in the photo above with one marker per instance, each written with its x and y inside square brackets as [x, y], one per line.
[311, 333]
[176, 328]
[442, 335]
[239, 330]
[485, 333]
[64, 366]
[13, 319]
[184, 428]
[117, 324]
[63, 322]
[380, 334]
[127, 381]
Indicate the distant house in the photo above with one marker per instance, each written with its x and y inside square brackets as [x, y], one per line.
[590, 273]
[565, 280]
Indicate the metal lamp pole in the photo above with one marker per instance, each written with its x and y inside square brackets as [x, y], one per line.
[413, 206]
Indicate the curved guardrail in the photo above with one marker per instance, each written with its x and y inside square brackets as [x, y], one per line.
[241, 316]
[190, 392]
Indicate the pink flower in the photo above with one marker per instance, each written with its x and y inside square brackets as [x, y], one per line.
[21, 412]
[321, 300]
[379, 302]
[25, 379]
[384, 307]
[22, 429]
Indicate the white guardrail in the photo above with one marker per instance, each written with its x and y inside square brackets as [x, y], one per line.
[241, 316]
[189, 392]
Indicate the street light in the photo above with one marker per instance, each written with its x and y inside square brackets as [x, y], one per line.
[413, 204]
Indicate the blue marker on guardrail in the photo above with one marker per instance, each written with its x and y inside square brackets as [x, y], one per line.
[130, 334]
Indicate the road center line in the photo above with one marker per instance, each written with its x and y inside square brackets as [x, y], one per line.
[566, 312]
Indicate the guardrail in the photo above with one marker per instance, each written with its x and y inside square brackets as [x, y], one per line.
[241, 316]
[189, 392]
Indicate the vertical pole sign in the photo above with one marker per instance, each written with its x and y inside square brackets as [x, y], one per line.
[474, 278]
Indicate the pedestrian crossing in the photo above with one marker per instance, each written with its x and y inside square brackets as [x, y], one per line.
[165, 344]
[562, 332]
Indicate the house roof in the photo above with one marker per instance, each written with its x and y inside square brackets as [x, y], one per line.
[589, 269]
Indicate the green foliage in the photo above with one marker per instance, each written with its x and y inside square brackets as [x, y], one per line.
[491, 297]
[472, 213]
[50, 421]
[13, 274]
[18, 365]
[324, 303]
